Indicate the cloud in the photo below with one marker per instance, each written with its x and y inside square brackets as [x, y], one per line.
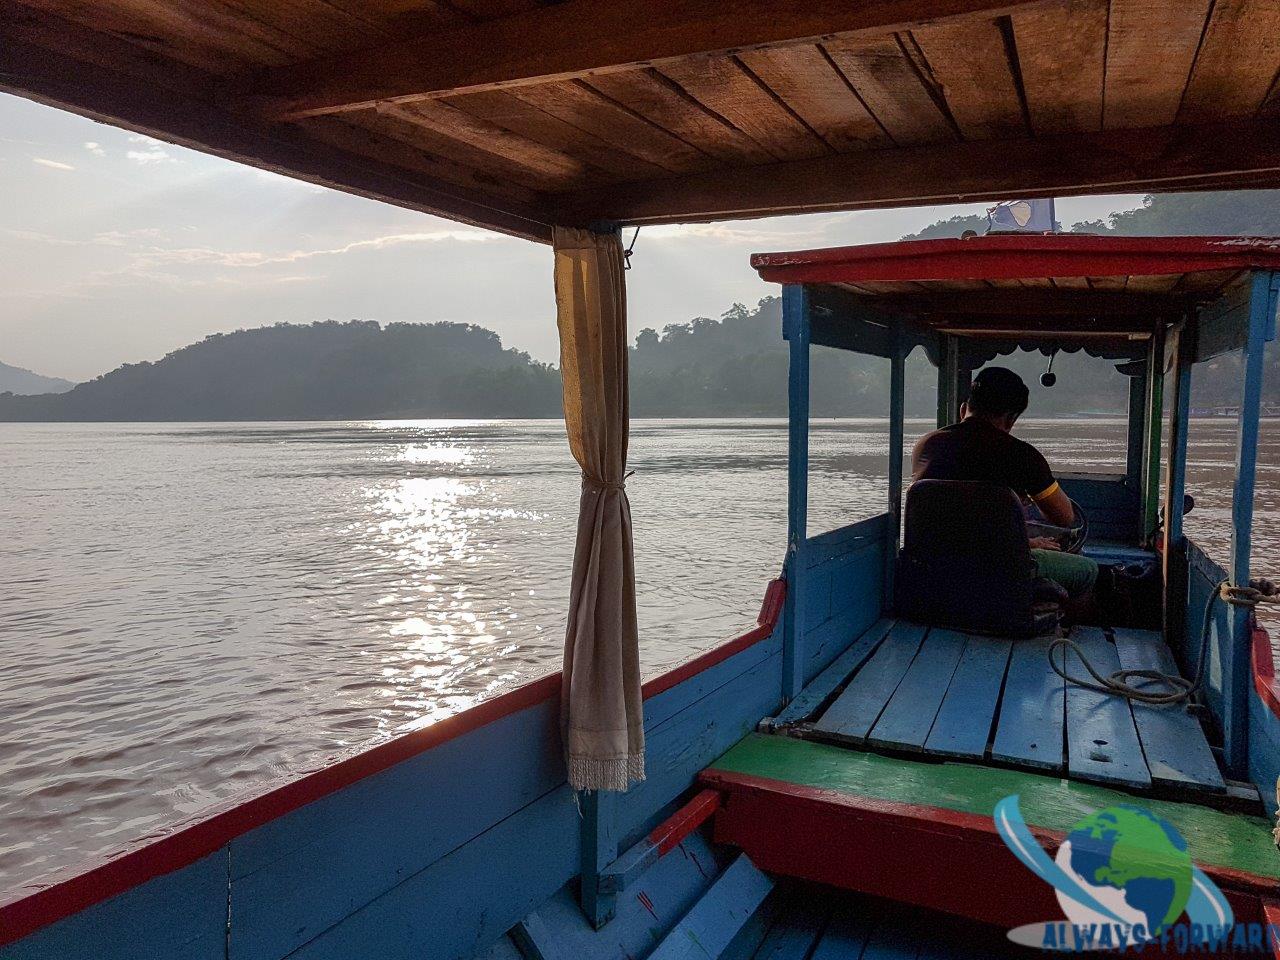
[95, 148]
[154, 155]
[155, 151]
[253, 258]
[52, 164]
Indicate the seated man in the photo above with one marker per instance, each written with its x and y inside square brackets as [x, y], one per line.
[980, 448]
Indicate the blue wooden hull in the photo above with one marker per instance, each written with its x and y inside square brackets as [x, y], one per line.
[464, 839]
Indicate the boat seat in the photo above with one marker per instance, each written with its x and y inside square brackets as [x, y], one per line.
[966, 563]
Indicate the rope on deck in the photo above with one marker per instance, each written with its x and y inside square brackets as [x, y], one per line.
[1176, 688]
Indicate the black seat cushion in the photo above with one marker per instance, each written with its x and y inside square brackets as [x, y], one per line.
[965, 562]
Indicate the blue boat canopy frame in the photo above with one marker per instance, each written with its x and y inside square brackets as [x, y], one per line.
[1159, 305]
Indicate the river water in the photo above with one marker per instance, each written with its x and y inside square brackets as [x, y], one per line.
[190, 612]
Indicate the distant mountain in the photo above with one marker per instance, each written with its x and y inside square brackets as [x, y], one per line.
[735, 366]
[22, 381]
[320, 371]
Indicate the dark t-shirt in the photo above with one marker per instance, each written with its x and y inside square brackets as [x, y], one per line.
[975, 450]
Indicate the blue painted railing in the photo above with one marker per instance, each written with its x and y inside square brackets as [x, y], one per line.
[438, 854]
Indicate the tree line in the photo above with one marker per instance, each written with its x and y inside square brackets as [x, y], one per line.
[732, 366]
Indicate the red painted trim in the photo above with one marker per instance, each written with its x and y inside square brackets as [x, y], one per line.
[937, 822]
[26, 914]
[770, 611]
[1008, 257]
[1271, 917]
[1264, 668]
[668, 834]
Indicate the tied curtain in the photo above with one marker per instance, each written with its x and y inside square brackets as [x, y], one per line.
[600, 702]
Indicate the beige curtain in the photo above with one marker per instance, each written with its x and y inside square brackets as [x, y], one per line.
[600, 700]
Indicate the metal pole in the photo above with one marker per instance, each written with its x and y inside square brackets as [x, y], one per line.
[1175, 551]
[1237, 685]
[1154, 427]
[796, 329]
[897, 401]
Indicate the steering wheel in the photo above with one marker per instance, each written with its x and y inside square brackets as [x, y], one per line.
[1071, 538]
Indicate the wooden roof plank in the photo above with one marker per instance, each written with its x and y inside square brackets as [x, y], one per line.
[970, 61]
[1212, 156]
[663, 102]
[537, 125]
[1238, 62]
[578, 38]
[584, 107]
[1151, 46]
[205, 37]
[444, 145]
[172, 110]
[376, 137]
[1062, 70]
[520, 152]
[892, 89]
[1070, 283]
[804, 77]
[722, 85]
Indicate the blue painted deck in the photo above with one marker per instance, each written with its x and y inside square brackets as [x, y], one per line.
[907, 688]
[802, 921]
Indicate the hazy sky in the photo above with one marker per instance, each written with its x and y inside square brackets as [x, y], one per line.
[116, 248]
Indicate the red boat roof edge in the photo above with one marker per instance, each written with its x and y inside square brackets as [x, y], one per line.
[31, 911]
[1073, 254]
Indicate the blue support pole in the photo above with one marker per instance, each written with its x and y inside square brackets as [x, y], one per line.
[1175, 551]
[948, 381]
[897, 400]
[599, 850]
[1154, 425]
[1137, 428]
[1238, 682]
[796, 329]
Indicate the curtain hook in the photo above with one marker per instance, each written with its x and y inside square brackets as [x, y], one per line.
[626, 254]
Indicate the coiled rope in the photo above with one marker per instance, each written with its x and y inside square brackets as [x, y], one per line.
[1176, 689]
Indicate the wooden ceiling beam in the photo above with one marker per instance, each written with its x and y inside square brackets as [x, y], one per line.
[1099, 305]
[1223, 156]
[577, 38]
[63, 64]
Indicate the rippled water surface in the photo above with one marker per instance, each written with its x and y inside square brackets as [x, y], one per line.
[188, 612]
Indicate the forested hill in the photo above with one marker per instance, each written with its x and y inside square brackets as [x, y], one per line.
[319, 371]
[734, 366]
[738, 366]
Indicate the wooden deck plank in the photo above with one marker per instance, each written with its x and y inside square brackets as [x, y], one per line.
[909, 715]
[895, 938]
[824, 684]
[845, 937]
[1102, 741]
[707, 929]
[798, 926]
[1173, 741]
[1216, 838]
[1029, 730]
[856, 710]
[963, 725]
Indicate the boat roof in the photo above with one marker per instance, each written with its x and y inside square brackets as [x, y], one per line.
[519, 114]
[1050, 286]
